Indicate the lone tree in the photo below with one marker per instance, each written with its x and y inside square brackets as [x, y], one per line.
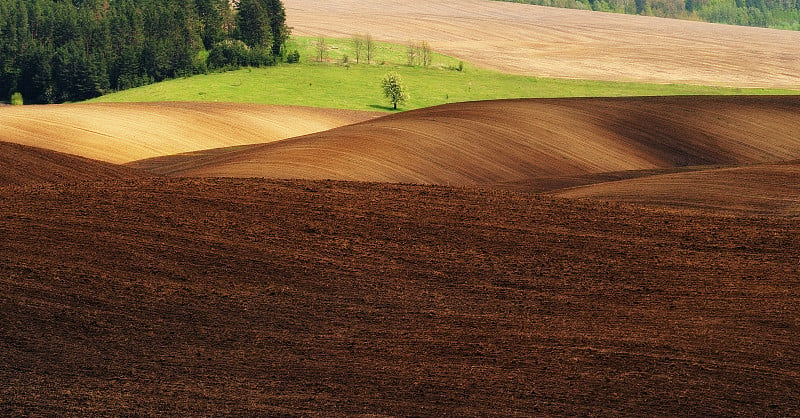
[393, 89]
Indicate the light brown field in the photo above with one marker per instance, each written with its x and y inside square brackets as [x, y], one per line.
[556, 42]
[124, 132]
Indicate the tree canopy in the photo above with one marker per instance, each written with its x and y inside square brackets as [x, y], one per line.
[69, 50]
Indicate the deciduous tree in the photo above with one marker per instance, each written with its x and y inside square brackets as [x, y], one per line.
[322, 49]
[369, 46]
[394, 90]
[358, 44]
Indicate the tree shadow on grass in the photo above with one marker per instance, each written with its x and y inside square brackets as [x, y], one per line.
[388, 108]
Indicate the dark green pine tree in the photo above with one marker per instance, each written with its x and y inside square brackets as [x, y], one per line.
[213, 15]
[277, 24]
[253, 24]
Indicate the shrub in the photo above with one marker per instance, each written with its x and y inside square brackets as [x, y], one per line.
[236, 54]
[228, 54]
[293, 57]
[16, 99]
[459, 67]
[261, 57]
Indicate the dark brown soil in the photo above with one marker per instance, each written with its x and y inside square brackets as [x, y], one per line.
[213, 297]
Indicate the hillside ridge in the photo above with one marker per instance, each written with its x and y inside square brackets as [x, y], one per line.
[485, 143]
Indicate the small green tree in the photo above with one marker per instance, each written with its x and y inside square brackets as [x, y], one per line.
[16, 99]
[293, 57]
[393, 89]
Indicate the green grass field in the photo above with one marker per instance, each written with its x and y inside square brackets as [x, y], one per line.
[334, 84]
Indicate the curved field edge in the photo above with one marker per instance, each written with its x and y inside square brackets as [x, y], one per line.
[514, 141]
[332, 84]
[772, 189]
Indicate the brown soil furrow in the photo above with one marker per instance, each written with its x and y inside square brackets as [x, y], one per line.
[758, 189]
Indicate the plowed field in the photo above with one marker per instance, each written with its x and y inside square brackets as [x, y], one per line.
[556, 42]
[486, 143]
[253, 297]
[771, 188]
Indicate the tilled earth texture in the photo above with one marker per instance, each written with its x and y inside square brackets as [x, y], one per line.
[226, 296]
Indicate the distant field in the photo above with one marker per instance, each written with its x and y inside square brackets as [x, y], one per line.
[332, 84]
[561, 43]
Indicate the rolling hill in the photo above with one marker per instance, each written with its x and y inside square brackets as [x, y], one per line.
[124, 132]
[552, 42]
[495, 142]
[759, 189]
[658, 274]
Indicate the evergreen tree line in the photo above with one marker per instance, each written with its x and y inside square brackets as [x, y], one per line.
[778, 14]
[55, 51]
